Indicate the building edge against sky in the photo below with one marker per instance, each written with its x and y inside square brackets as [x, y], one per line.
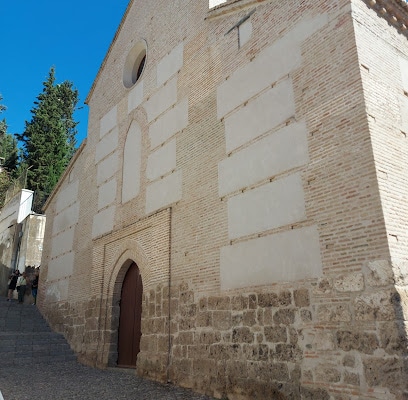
[246, 166]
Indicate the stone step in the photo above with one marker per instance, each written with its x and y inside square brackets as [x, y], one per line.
[39, 344]
[47, 335]
[25, 337]
[15, 326]
[22, 359]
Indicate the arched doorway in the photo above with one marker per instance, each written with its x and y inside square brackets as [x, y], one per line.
[130, 318]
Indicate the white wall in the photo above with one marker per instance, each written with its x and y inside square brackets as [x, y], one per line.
[213, 3]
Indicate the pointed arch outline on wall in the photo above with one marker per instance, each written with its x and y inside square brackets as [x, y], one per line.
[129, 251]
[132, 162]
[114, 256]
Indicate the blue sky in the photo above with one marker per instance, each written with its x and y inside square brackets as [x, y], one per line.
[72, 36]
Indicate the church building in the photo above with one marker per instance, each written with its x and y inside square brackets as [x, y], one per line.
[236, 221]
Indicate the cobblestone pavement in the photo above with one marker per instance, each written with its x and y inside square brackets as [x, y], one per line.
[71, 380]
[36, 363]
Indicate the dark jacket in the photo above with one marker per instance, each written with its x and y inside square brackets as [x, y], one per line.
[13, 281]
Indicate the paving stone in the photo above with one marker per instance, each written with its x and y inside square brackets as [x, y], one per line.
[45, 359]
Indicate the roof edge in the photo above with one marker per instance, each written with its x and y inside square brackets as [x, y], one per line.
[108, 52]
[395, 12]
[65, 173]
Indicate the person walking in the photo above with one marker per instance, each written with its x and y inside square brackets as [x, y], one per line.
[12, 284]
[34, 287]
[21, 287]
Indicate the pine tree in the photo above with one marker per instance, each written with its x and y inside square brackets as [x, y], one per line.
[48, 142]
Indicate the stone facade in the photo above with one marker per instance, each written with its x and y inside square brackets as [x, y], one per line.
[254, 170]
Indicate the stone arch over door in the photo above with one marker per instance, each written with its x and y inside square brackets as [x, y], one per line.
[129, 252]
[145, 243]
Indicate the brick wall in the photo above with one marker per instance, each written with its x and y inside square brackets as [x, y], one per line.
[273, 265]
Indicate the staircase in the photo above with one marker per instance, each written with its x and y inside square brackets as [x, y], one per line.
[25, 337]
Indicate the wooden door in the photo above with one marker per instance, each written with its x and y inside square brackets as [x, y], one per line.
[130, 330]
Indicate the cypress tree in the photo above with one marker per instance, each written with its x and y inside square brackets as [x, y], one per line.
[9, 154]
[9, 151]
[48, 141]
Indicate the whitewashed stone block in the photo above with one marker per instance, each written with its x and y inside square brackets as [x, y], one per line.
[63, 242]
[108, 122]
[270, 206]
[171, 122]
[67, 196]
[284, 257]
[260, 115]
[164, 192]
[107, 144]
[162, 100]
[403, 63]
[404, 113]
[278, 152]
[107, 194]
[107, 168]
[170, 64]
[162, 161]
[67, 218]
[57, 291]
[135, 97]
[245, 32]
[103, 222]
[269, 66]
[61, 267]
[252, 78]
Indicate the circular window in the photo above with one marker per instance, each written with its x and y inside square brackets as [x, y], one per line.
[134, 65]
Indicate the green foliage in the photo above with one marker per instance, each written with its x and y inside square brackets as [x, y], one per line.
[4, 184]
[2, 107]
[48, 141]
[3, 124]
[9, 152]
[3, 127]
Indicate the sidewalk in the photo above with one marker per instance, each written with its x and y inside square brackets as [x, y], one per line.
[36, 363]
